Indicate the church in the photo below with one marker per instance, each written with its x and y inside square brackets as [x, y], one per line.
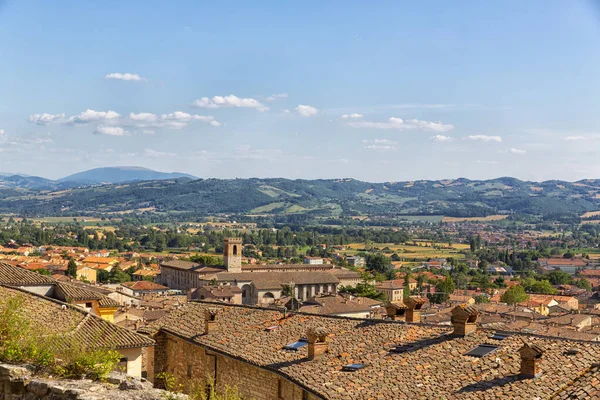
[260, 284]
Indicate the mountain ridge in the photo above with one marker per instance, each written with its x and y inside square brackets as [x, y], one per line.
[183, 197]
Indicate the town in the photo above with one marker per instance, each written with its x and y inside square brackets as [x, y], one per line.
[483, 281]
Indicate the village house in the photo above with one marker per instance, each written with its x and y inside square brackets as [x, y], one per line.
[313, 260]
[140, 288]
[356, 261]
[100, 263]
[393, 290]
[269, 354]
[49, 316]
[343, 306]
[221, 293]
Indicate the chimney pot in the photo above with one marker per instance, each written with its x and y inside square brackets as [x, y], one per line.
[317, 342]
[210, 319]
[414, 305]
[531, 360]
[464, 319]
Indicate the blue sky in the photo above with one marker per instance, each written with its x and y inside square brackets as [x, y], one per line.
[378, 91]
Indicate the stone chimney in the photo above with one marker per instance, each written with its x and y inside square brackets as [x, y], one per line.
[210, 319]
[317, 342]
[396, 311]
[464, 319]
[531, 360]
[413, 311]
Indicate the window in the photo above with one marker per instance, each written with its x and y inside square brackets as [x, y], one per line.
[88, 305]
[401, 349]
[235, 251]
[353, 367]
[189, 370]
[296, 345]
[499, 336]
[481, 350]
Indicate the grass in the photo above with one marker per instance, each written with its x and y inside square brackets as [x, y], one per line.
[268, 207]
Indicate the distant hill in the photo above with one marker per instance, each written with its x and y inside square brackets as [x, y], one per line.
[120, 175]
[186, 198]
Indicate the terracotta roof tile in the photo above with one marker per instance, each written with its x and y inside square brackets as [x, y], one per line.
[436, 367]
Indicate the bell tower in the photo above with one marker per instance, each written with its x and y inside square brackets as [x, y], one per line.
[232, 254]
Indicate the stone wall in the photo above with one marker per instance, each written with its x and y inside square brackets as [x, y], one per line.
[19, 383]
[196, 365]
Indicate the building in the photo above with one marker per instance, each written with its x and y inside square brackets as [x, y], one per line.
[88, 299]
[357, 261]
[393, 290]
[267, 354]
[343, 306]
[224, 294]
[260, 284]
[74, 323]
[103, 263]
[140, 288]
[88, 274]
[313, 260]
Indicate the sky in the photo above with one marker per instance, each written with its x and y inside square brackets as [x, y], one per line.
[377, 91]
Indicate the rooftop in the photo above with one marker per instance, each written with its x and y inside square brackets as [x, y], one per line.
[435, 363]
[71, 322]
[11, 275]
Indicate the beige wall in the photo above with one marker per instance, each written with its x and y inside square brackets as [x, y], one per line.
[193, 364]
[134, 361]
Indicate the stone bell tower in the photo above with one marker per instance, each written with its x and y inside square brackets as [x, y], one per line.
[232, 254]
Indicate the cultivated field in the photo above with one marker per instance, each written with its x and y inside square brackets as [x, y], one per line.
[422, 251]
[590, 214]
[497, 217]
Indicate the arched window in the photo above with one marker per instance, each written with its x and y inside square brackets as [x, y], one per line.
[235, 249]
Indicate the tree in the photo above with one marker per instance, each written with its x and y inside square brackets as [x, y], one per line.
[514, 294]
[583, 284]
[559, 277]
[377, 262]
[72, 269]
[481, 298]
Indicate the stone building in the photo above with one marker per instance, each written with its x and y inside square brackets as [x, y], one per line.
[260, 284]
[268, 354]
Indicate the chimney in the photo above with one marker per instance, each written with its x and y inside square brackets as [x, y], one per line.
[317, 342]
[414, 305]
[396, 311]
[210, 319]
[464, 319]
[531, 360]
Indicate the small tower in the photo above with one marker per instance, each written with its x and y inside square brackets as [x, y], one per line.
[232, 254]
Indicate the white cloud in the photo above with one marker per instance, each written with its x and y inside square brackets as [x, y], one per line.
[157, 154]
[441, 138]
[306, 110]
[484, 138]
[124, 76]
[574, 138]
[278, 96]
[215, 123]
[45, 118]
[380, 144]
[145, 117]
[517, 151]
[110, 131]
[229, 101]
[148, 132]
[185, 117]
[1, 131]
[400, 124]
[351, 116]
[94, 116]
